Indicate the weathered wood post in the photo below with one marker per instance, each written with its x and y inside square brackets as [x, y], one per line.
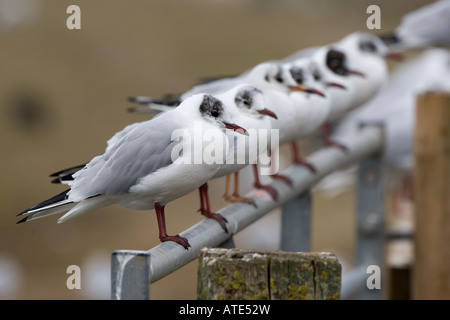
[230, 274]
[431, 274]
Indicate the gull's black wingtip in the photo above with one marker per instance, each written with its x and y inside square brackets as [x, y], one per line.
[57, 180]
[68, 171]
[59, 197]
[22, 220]
[22, 213]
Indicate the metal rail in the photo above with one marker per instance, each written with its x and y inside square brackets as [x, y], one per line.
[133, 270]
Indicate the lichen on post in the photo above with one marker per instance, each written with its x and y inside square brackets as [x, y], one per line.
[231, 274]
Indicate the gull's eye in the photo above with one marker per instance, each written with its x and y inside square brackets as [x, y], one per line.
[367, 46]
[244, 98]
[211, 106]
[297, 74]
[279, 76]
[316, 74]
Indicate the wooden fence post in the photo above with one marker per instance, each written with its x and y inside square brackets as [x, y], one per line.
[230, 274]
[431, 274]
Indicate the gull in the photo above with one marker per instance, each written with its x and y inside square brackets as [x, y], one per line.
[312, 110]
[357, 62]
[367, 53]
[425, 27]
[148, 165]
[332, 65]
[247, 107]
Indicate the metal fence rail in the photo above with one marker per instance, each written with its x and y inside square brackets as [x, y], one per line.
[132, 271]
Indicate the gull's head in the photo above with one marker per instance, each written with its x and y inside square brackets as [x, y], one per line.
[315, 71]
[337, 62]
[366, 54]
[322, 78]
[299, 73]
[213, 110]
[361, 45]
[250, 100]
[306, 71]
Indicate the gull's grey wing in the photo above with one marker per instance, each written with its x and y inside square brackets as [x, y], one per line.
[141, 149]
[66, 176]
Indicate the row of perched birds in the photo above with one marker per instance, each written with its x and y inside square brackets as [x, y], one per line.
[145, 166]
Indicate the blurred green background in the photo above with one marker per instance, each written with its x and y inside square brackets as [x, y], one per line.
[63, 95]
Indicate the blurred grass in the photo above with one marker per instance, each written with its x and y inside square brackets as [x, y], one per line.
[81, 79]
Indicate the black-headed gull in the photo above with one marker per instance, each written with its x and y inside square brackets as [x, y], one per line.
[333, 67]
[366, 53]
[247, 107]
[148, 165]
[357, 61]
[311, 110]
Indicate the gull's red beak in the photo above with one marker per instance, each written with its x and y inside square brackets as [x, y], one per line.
[396, 56]
[336, 85]
[303, 88]
[357, 73]
[268, 112]
[236, 128]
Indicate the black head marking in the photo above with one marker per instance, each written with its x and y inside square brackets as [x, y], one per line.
[244, 97]
[367, 45]
[279, 75]
[336, 62]
[298, 74]
[315, 72]
[211, 106]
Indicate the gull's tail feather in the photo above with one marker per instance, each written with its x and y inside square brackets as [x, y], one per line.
[85, 206]
[61, 203]
[152, 106]
[66, 175]
[56, 204]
